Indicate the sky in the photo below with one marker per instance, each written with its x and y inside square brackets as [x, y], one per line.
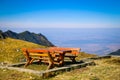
[59, 14]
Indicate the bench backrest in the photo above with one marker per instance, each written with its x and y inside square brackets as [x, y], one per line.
[35, 52]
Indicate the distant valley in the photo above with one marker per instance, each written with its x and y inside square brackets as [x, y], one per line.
[99, 41]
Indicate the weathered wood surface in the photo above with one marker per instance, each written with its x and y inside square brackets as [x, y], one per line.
[47, 73]
[75, 51]
[71, 55]
[52, 55]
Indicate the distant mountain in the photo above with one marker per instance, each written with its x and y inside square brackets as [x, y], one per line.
[27, 36]
[2, 36]
[115, 53]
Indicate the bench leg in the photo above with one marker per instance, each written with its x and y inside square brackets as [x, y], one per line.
[50, 61]
[50, 66]
[32, 60]
[26, 53]
[28, 62]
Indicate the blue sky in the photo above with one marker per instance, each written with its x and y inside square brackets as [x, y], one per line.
[59, 14]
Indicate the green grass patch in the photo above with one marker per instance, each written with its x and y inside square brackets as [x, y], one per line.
[38, 67]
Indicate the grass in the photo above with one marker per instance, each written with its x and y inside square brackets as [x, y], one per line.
[10, 52]
[83, 55]
[114, 60]
[104, 70]
[6, 74]
[39, 67]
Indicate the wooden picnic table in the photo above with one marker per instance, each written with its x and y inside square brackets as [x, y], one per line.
[72, 55]
[52, 55]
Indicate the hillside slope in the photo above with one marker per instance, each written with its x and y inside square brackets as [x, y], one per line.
[105, 69]
[27, 36]
[10, 49]
[115, 53]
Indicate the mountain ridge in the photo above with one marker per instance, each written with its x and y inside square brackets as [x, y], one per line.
[115, 52]
[27, 36]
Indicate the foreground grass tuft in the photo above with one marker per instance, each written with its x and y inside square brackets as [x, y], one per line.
[6, 74]
[83, 55]
[114, 60]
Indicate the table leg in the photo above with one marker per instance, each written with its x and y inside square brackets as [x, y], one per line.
[73, 59]
[62, 59]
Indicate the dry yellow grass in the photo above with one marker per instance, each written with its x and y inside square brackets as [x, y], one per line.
[6, 74]
[83, 55]
[104, 70]
[10, 50]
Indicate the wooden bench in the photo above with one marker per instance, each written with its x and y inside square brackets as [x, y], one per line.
[46, 55]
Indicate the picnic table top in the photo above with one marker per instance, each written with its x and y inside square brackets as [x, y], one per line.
[51, 49]
[37, 50]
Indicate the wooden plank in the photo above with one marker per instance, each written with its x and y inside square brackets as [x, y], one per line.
[45, 58]
[35, 50]
[39, 54]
